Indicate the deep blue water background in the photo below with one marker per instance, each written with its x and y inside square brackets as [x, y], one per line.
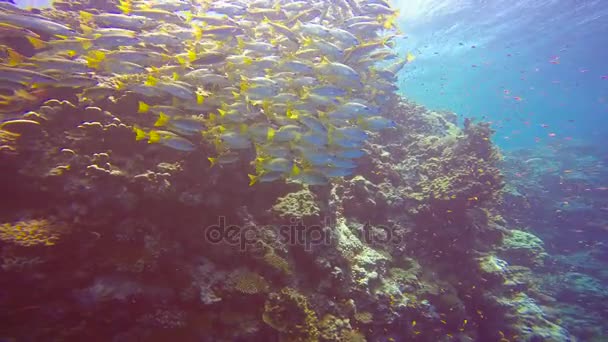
[474, 57]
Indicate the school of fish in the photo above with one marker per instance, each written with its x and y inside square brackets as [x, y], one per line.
[302, 83]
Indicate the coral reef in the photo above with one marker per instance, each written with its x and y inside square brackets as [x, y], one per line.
[411, 248]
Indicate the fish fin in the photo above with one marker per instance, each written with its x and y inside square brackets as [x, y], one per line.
[175, 76]
[222, 112]
[163, 119]
[252, 179]
[213, 161]
[236, 95]
[36, 43]
[247, 60]
[143, 107]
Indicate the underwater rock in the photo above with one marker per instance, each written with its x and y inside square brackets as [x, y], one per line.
[289, 312]
[523, 248]
[332, 328]
[528, 320]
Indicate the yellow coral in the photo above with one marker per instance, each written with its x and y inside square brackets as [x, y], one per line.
[352, 336]
[277, 262]
[364, 317]
[32, 232]
[250, 283]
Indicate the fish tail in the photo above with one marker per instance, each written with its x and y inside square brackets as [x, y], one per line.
[86, 17]
[154, 137]
[189, 17]
[86, 43]
[86, 29]
[307, 41]
[151, 81]
[143, 107]
[24, 94]
[36, 43]
[125, 6]
[270, 134]
[200, 98]
[240, 43]
[163, 119]
[14, 58]
[295, 170]
[213, 161]
[252, 179]
[182, 61]
[410, 57]
[244, 84]
[192, 54]
[140, 134]
[198, 32]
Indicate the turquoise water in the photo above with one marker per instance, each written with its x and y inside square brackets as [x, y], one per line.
[533, 68]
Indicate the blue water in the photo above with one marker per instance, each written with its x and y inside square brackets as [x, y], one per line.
[533, 68]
